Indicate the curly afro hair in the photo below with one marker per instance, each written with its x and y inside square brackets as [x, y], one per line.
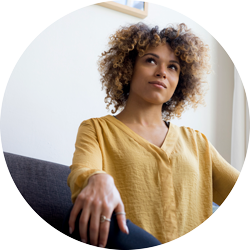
[116, 65]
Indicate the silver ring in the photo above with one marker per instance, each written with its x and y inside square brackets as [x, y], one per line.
[120, 213]
[103, 219]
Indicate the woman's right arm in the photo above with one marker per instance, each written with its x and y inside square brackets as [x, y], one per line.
[93, 191]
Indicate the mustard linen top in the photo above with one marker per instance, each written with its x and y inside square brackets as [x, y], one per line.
[168, 190]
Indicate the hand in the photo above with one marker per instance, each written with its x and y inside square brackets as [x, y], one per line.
[99, 197]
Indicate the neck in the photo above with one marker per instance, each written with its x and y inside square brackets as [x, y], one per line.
[140, 112]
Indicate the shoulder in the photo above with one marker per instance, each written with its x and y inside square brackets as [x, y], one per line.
[90, 128]
[92, 121]
[95, 124]
[187, 130]
[189, 134]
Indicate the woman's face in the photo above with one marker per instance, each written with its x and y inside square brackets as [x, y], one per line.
[156, 75]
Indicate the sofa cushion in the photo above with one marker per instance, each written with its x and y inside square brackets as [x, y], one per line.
[43, 185]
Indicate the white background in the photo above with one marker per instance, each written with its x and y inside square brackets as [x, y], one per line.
[22, 21]
[55, 85]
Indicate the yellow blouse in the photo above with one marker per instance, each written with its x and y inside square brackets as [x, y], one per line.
[168, 190]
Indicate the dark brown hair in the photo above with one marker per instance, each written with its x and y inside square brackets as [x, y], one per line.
[116, 65]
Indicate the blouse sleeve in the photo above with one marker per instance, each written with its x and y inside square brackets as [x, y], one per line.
[87, 159]
[224, 176]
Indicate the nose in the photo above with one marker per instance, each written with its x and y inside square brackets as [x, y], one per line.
[161, 72]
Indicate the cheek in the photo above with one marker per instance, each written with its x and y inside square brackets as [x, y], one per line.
[134, 81]
[137, 80]
[174, 81]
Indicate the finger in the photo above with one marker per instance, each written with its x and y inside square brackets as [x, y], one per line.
[94, 224]
[73, 215]
[104, 227]
[83, 224]
[121, 218]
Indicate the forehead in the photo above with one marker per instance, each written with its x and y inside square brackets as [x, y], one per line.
[164, 51]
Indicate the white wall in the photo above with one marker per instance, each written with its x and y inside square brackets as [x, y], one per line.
[55, 85]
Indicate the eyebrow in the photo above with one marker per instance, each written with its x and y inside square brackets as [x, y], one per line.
[151, 54]
[173, 61]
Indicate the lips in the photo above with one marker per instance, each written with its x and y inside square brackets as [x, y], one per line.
[159, 84]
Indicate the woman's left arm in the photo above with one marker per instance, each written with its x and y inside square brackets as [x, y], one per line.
[224, 176]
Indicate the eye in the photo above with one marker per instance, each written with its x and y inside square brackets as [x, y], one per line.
[173, 66]
[150, 60]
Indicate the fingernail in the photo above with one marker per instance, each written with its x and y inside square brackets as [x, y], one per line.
[100, 245]
[127, 230]
[83, 240]
[70, 230]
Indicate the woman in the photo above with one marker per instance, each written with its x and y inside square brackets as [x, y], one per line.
[165, 177]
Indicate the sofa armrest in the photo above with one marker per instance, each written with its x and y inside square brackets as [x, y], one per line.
[43, 185]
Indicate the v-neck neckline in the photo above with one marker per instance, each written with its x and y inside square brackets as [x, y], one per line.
[168, 144]
[133, 134]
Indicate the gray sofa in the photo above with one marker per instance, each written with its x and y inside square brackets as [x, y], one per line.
[44, 186]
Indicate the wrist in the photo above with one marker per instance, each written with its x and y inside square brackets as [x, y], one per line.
[100, 177]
